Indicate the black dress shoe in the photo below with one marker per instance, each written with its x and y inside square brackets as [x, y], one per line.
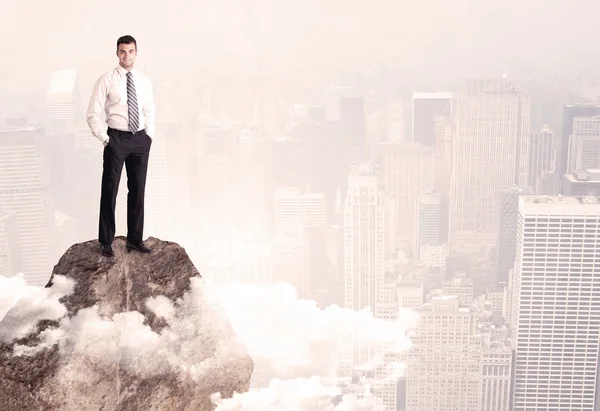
[107, 250]
[138, 247]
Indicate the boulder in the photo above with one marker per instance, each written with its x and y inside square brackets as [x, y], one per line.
[130, 332]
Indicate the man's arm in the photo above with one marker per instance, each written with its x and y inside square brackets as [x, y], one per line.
[149, 110]
[95, 107]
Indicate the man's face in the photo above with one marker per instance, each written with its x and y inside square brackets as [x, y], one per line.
[126, 54]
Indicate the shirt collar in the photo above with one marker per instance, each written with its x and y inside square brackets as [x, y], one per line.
[123, 72]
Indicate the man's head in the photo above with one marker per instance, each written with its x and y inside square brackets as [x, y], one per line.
[126, 51]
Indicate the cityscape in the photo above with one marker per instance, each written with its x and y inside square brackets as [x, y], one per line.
[466, 209]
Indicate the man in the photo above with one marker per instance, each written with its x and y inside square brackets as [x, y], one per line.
[127, 99]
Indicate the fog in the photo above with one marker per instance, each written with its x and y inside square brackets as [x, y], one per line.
[429, 40]
[265, 103]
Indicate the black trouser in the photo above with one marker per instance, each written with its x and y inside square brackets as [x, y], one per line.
[133, 150]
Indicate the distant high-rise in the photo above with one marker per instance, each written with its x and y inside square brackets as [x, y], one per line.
[445, 129]
[426, 108]
[555, 307]
[581, 183]
[490, 151]
[26, 191]
[571, 111]
[330, 98]
[352, 113]
[394, 122]
[541, 159]
[584, 145]
[429, 220]
[363, 238]
[291, 262]
[408, 175]
[507, 228]
[363, 249]
[10, 254]
[62, 101]
[292, 205]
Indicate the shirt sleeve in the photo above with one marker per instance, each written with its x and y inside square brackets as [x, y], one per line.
[149, 110]
[95, 107]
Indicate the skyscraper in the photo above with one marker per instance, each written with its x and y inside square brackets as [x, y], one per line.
[25, 190]
[571, 111]
[584, 144]
[490, 152]
[10, 255]
[429, 220]
[555, 307]
[363, 250]
[408, 175]
[62, 101]
[444, 365]
[507, 228]
[292, 205]
[426, 108]
[541, 159]
[581, 183]
[363, 238]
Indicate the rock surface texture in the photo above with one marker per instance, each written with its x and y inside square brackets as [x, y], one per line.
[131, 332]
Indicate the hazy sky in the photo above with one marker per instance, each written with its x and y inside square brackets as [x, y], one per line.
[423, 38]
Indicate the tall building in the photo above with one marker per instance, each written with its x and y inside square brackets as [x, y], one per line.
[581, 183]
[507, 228]
[571, 111]
[426, 108]
[444, 366]
[352, 113]
[408, 175]
[497, 370]
[62, 101]
[555, 307]
[542, 156]
[363, 238]
[363, 247]
[394, 122]
[430, 220]
[330, 98]
[490, 151]
[26, 192]
[291, 262]
[584, 147]
[293, 205]
[445, 129]
[10, 254]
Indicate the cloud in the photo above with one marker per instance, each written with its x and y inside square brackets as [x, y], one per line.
[288, 337]
[31, 304]
[299, 394]
[293, 342]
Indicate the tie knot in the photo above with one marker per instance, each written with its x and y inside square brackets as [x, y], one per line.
[129, 74]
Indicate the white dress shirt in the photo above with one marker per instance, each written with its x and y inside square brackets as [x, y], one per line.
[110, 94]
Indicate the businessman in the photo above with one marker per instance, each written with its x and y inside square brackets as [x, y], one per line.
[126, 96]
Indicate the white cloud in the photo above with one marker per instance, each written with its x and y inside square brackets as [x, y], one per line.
[290, 340]
[288, 337]
[31, 304]
[299, 394]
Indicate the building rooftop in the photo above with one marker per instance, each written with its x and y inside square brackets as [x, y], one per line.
[588, 175]
[559, 200]
[432, 95]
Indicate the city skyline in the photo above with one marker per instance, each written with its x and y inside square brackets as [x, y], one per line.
[397, 205]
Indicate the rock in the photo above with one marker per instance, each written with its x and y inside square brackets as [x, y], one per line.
[131, 332]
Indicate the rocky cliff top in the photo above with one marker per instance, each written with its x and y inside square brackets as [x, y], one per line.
[131, 332]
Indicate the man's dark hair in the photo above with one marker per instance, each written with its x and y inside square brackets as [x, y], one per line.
[126, 40]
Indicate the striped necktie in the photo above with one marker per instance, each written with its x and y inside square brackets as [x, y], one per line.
[132, 105]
